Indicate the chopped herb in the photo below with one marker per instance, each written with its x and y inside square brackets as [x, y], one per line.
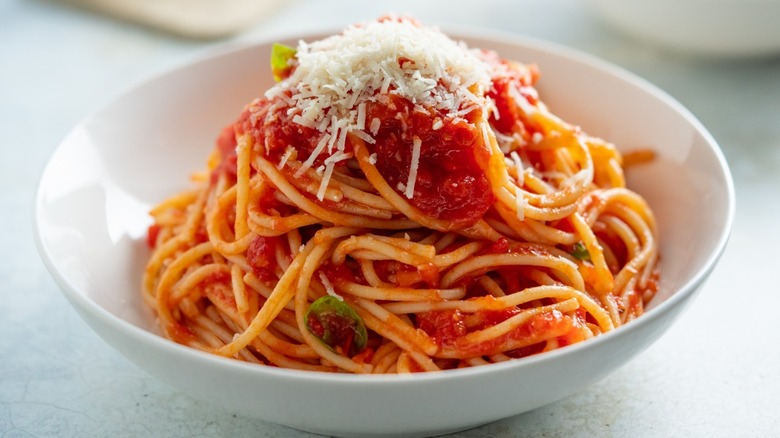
[281, 56]
[336, 324]
[580, 251]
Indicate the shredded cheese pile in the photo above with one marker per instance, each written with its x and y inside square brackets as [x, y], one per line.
[336, 77]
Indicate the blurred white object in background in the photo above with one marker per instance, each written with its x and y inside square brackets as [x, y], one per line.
[190, 18]
[722, 28]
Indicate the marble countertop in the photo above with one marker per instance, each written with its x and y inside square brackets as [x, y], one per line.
[715, 373]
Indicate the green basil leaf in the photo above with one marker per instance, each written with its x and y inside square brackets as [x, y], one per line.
[580, 251]
[280, 60]
[336, 324]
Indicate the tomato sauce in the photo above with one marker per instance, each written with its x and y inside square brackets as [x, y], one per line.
[344, 272]
[261, 256]
[179, 332]
[273, 132]
[226, 147]
[451, 183]
[490, 318]
[151, 235]
[443, 326]
[404, 275]
[448, 327]
[217, 287]
[505, 77]
[530, 332]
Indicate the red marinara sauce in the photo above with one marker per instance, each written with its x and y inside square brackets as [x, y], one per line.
[226, 148]
[273, 130]
[261, 257]
[451, 181]
[508, 75]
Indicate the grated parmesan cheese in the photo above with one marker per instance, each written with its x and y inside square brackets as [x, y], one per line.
[336, 77]
[584, 176]
[329, 289]
[325, 180]
[361, 116]
[518, 162]
[521, 101]
[375, 124]
[416, 143]
[303, 122]
[287, 154]
[330, 164]
[307, 164]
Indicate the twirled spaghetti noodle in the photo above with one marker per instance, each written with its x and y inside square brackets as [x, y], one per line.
[400, 203]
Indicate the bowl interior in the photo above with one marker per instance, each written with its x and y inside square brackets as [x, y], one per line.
[93, 198]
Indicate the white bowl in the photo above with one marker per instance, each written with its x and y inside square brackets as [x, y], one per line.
[720, 28]
[91, 218]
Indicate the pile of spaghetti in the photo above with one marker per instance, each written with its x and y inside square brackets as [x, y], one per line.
[399, 202]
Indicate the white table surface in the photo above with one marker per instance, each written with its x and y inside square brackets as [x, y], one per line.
[715, 373]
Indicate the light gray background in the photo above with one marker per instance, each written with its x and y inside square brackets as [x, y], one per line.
[715, 373]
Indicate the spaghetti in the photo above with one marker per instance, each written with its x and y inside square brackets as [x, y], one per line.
[398, 203]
